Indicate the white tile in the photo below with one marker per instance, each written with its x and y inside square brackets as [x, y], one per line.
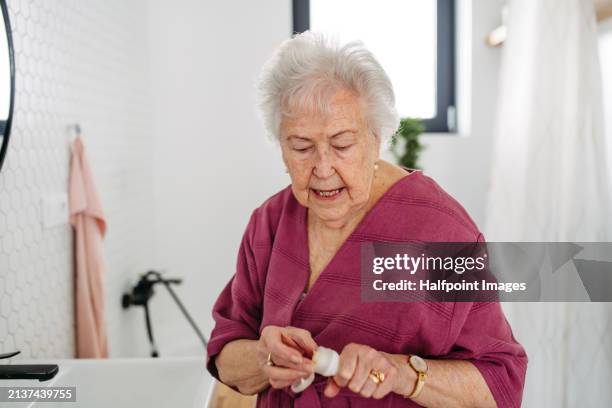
[74, 63]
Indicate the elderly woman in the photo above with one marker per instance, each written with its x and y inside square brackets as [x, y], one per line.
[297, 283]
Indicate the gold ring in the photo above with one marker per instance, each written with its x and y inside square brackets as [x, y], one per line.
[377, 376]
[269, 361]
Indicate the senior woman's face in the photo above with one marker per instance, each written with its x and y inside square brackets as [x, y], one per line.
[331, 158]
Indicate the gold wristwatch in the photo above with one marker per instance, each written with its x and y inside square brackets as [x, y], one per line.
[420, 366]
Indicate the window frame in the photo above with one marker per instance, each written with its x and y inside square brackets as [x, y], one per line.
[445, 120]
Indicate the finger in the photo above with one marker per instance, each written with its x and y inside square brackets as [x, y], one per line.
[347, 365]
[297, 339]
[272, 339]
[261, 352]
[365, 363]
[286, 339]
[279, 384]
[303, 343]
[368, 388]
[386, 386]
[303, 338]
[331, 389]
[284, 374]
[307, 365]
[381, 364]
[283, 354]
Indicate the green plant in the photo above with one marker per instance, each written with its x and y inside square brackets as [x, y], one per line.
[405, 144]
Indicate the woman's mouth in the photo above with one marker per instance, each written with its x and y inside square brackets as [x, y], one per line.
[327, 194]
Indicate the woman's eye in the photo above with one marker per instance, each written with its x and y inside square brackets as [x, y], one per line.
[343, 148]
[301, 149]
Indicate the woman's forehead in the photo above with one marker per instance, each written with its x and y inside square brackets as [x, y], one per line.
[302, 128]
[345, 111]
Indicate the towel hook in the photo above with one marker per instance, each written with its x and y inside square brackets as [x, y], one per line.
[74, 131]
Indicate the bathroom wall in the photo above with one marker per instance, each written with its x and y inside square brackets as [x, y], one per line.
[460, 163]
[605, 54]
[213, 166]
[126, 71]
[77, 61]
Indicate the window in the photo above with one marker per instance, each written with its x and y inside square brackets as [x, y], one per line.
[413, 40]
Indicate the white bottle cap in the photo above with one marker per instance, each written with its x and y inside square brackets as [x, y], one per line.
[326, 362]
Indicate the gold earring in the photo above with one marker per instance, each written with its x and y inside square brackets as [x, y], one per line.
[375, 166]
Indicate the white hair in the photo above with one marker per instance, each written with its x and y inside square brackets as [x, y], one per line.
[306, 70]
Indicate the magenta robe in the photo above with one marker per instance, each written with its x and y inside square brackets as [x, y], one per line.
[273, 270]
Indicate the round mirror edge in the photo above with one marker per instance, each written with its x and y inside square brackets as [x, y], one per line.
[9, 119]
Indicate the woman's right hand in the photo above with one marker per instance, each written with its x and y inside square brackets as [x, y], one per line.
[289, 349]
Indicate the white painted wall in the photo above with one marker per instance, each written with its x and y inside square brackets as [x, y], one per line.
[212, 164]
[605, 54]
[460, 163]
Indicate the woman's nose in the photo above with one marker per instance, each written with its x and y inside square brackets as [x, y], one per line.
[324, 167]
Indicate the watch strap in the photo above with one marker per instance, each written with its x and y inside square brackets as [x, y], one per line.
[419, 385]
[420, 382]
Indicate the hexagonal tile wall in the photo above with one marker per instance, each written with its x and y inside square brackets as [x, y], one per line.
[76, 62]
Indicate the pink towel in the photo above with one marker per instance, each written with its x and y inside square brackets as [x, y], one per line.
[87, 219]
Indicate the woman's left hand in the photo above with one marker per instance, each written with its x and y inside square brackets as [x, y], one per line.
[358, 361]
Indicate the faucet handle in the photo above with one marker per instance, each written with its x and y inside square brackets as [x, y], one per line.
[9, 355]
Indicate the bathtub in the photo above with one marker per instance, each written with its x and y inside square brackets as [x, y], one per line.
[125, 382]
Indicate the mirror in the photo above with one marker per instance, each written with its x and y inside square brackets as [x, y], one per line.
[7, 82]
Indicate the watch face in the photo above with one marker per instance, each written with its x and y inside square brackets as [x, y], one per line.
[418, 363]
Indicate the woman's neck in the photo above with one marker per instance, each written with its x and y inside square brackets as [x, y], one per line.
[335, 231]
